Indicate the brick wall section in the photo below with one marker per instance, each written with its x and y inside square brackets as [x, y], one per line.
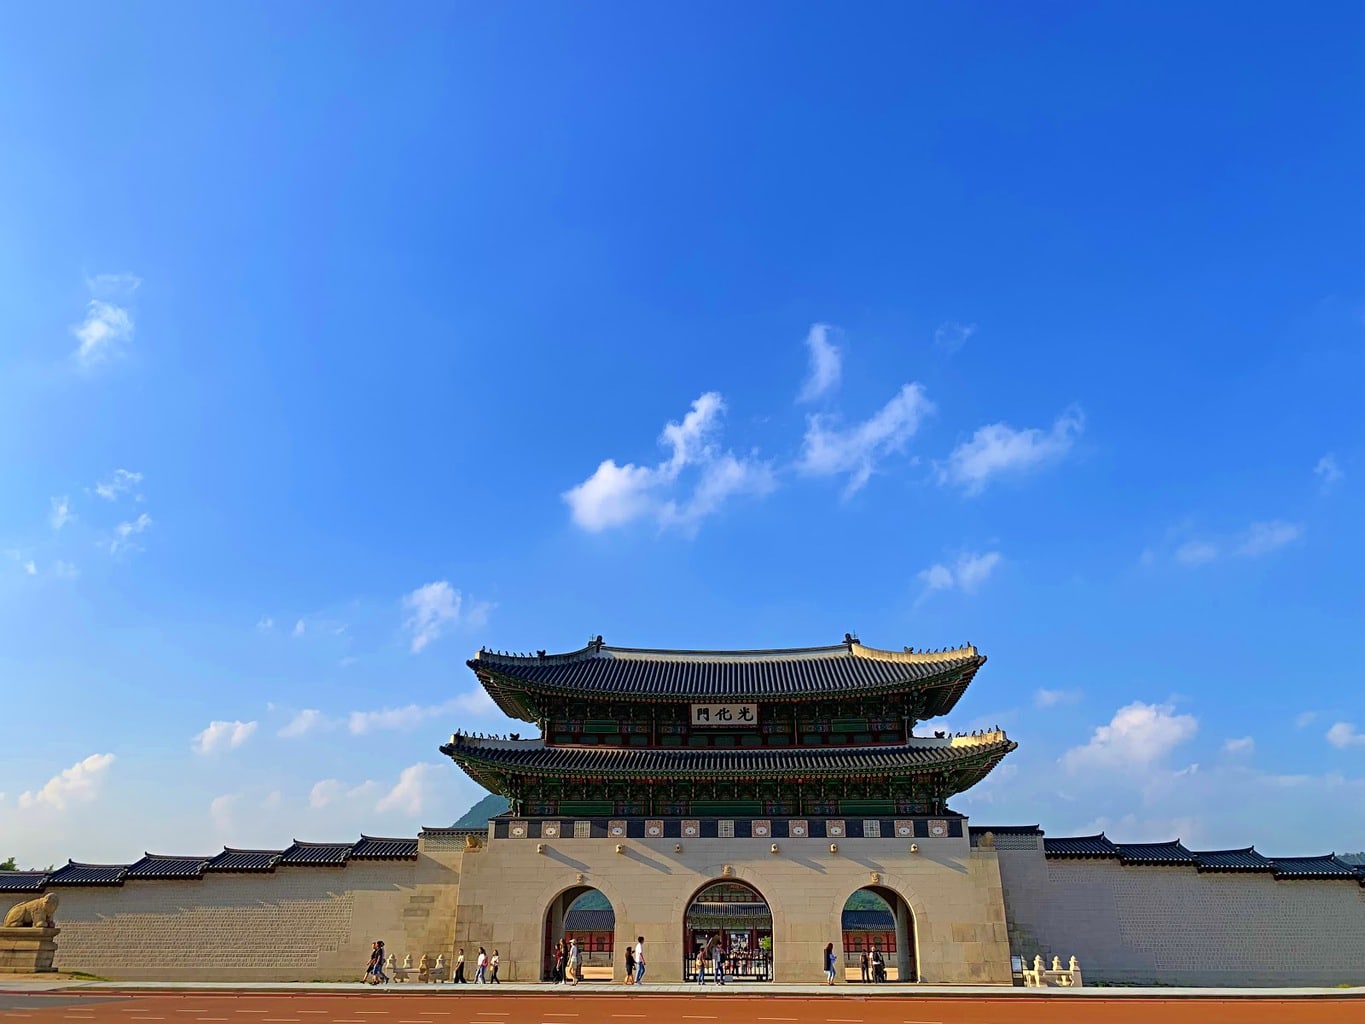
[295, 924]
[1175, 926]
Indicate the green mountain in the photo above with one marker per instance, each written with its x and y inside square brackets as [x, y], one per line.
[477, 816]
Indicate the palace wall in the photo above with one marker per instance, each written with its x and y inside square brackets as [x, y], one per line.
[953, 891]
[292, 924]
[1178, 926]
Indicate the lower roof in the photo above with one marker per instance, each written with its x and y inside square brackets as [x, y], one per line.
[1174, 853]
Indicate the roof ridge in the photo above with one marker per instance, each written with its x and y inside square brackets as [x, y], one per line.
[236, 849]
[83, 864]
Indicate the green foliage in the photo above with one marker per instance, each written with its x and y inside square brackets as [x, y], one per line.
[7, 864]
[592, 900]
[477, 816]
[1353, 858]
[864, 900]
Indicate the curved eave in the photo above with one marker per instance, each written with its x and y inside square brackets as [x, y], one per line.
[492, 767]
[521, 697]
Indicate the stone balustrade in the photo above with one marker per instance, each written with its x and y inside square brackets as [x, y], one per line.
[1057, 976]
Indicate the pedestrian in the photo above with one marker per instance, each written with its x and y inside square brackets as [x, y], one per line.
[640, 960]
[717, 955]
[630, 964]
[829, 963]
[481, 968]
[459, 978]
[878, 965]
[575, 972]
[371, 974]
[495, 961]
[559, 963]
[863, 963]
[380, 977]
[699, 965]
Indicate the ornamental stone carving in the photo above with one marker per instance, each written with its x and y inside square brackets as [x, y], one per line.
[473, 843]
[36, 913]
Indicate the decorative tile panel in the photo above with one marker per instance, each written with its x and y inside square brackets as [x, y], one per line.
[616, 829]
[582, 830]
[691, 828]
[517, 830]
[762, 829]
[798, 829]
[938, 829]
[905, 829]
[835, 829]
[549, 830]
[654, 828]
[872, 829]
[725, 829]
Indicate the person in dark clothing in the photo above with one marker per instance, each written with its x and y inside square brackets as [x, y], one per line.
[828, 960]
[863, 963]
[459, 978]
[878, 966]
[495, 961]
[630, 965]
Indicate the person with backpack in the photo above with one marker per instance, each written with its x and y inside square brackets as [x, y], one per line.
[481, 968]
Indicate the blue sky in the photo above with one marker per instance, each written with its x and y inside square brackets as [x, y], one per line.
[335, 345]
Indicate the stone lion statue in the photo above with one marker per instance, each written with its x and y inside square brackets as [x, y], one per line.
[35, 913]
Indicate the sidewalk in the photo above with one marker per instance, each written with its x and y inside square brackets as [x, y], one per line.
[33, 984]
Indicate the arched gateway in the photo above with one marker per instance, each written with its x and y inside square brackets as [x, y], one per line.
[878, 923]
[734, 917]
[584, 915]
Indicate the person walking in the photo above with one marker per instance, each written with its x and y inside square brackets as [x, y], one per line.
[878, 966]
[481, 968]
[380, 977]
[459, 978]
[630, 964]
[863, 964]
[371, 970]
[640, 960]
[829, 963]
[575, 973]
[495, 961]
[717, 958]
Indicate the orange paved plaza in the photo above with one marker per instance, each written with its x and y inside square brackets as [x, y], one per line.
[585, 1007]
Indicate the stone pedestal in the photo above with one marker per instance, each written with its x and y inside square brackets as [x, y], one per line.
[27, 950]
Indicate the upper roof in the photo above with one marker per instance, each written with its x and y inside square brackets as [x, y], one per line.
[155, 865]
[317, 854]
[843, 670]
[375, 848]
[1174, 853]
[244, 860]
[1326, 866]
[488, 760]
[74, 873]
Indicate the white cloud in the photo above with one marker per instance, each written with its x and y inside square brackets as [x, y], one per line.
[1304, 718]
[1196, 552]
[65, 570]
[1138, 735]
[300, 628]
[1241, 745]
[1053, 698]
[414, 790]
[306, 721]
[103, 331]
[435, 606]
[78, 784]
[967, 574]
[829, 450]
[1328, 471]
[826, 363]
[124, 532]
[118, 485]
[999, 449]
[951, 336]
[265, 625]
[105, 286]
[61, 513]
[221, 810]
[617, 495]
[1262, 538]
[31, 568]
[1343, 735]
[223, 736]
[472, 703]
[334, 791]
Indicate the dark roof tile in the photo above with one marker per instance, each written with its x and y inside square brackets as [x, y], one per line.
[590, 921]
[244, 860]
[88, 874]
[22, 881]
[868, 921]
[1155, 853]
[154, 865]
[1005, 830]
[1079, 846]
[1232, 860]
[1312, 867]
[373, 848]
[317, 854]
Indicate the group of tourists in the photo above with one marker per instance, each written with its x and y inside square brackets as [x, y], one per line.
[712, 952]
[874, 965]
[374, 971]
[568, 962]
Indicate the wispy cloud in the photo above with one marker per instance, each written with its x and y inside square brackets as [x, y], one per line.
[1239, 746]
[61, 513]
[1344, 734]
[1054, 698]
[617, 495]
[1305, 718]
[951, 336]
[120, 483]
[31, 568]
[826, 363]
[1328, 471]
[473, 703]
[265, 625]
[125, 532]
[856, 451]
[106, 326]
[105, 286]
[65, 570]
[306, 721]
[300, 628]
[414, 790]
[80, 783]
[966, 574]
[1196, 552]
[1263, 538]
[434, 607]
[221, 736]
[1138, 735]
[1256, 540]
[998, 450]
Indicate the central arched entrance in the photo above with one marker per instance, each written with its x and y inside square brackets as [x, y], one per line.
[878, 923]
[736, 916]
[585, 916]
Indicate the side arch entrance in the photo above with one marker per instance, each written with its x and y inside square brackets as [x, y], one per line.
[878, 923]
[585, 916]
[735, 917]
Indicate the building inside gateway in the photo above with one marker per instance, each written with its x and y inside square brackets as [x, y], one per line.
[760, 804]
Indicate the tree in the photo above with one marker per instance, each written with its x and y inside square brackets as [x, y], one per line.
[7, 865]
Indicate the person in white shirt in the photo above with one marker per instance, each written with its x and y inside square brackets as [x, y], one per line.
[640, 960]
[495, 961]
[481, 968]
[575, 966]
